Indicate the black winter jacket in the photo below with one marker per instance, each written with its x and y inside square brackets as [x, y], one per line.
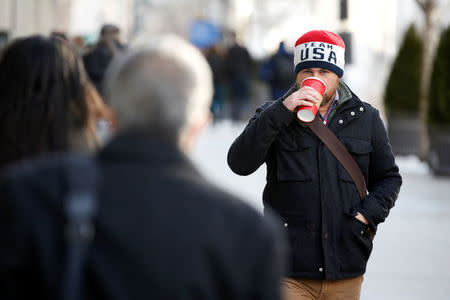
[312, 192]
[162, 231]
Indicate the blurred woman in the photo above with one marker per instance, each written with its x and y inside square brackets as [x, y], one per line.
[47, 103]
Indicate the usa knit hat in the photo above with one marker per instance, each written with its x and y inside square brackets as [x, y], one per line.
[320, 49]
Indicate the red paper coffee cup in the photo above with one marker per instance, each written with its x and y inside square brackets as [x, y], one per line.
[308, 113]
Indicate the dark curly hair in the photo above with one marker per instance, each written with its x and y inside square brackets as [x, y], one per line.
[46, 100]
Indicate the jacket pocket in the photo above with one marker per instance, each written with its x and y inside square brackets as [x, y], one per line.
[305, 242]
[294, 158]
[356, 244]
[360, 151]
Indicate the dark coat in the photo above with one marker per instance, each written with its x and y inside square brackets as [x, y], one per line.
[163, 232]
[238, 61]
[311, 190]
[96, 61]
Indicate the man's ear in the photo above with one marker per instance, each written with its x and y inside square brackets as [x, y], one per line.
[192, 131]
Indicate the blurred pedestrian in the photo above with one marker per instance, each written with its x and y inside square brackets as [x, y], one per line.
[162, 231]
[330, 217]
[47, 103]
[216, 59]
[279, 72]
[60, 34]
[98, 58]
[79, 43]
[239, 65]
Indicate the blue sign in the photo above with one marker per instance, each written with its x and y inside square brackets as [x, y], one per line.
[204, 34]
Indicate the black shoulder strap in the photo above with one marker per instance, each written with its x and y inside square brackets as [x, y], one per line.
[80, 211]
[340, 152]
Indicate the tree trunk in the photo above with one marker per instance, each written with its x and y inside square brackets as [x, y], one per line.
[427, 60]
[424, 87]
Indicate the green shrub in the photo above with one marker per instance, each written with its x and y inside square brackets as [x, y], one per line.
[439, 96]
[402, 89]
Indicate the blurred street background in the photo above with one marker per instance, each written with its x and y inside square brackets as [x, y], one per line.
[373, 30]
[397, 59]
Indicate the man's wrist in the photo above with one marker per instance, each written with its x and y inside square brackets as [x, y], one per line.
[281, 115]
[361, 217]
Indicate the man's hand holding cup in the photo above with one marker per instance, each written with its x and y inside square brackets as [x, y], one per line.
[306, 101]
[306, 96]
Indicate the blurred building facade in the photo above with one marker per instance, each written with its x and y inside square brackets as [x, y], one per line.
[72, 17]
[24, 17]
[373, 29]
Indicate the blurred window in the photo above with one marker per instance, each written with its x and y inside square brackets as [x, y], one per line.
[3, 39]
[343, 10]
[347, 37]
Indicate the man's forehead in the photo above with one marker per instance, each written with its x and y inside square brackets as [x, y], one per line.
[314, 69]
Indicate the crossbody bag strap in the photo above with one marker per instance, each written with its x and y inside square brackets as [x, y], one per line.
[340, 152]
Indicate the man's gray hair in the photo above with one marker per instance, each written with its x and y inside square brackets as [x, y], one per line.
[163, 83]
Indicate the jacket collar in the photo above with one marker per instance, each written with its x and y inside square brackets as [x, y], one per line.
[345, 94]
[143, 147]
[347, 111]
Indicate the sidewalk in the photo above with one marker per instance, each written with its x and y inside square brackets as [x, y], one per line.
[410, 258]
